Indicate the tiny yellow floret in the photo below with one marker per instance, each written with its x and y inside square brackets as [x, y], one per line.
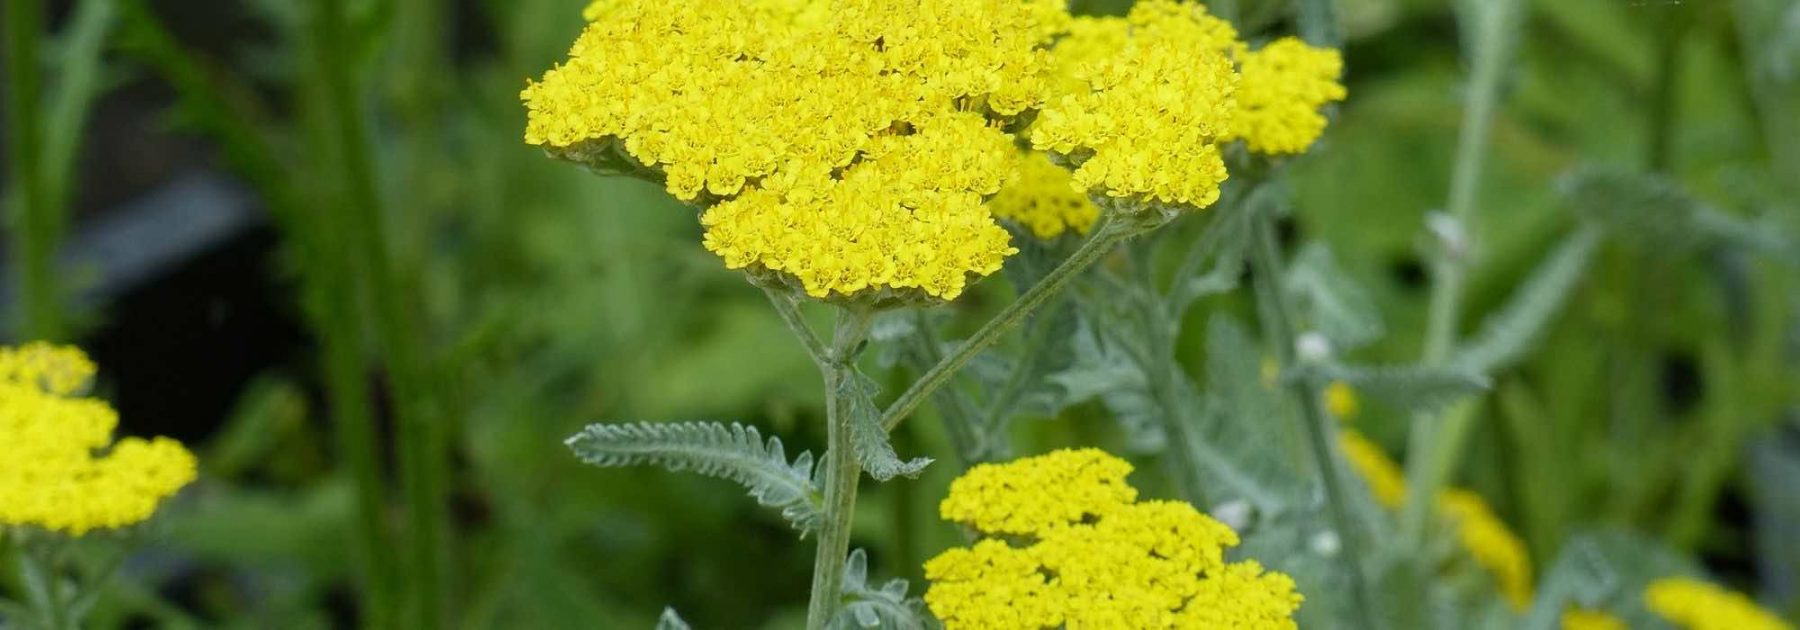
[61, 469]
[1091, 556]
[1698, 605]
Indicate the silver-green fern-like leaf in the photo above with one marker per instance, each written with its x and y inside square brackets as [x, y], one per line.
[735, 452]
[886, 607]
[1330, 300]
[869, 439]
[1606, 571]
[1409, 387]
[1508, 334]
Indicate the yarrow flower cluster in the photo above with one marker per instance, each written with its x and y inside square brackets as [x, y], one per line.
[1482, 534]
[1698, 605]
[1144, 103]
[847, 144]
[1089, 555]
[1042, 197]
[62, 471]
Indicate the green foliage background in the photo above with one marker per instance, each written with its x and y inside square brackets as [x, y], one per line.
[544, 298]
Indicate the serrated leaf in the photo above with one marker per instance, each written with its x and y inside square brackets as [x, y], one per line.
[869, 439]
[1243, 438]
[1330, 301]
[1508, 334]
[1645, 208]
[885, 607]
[1102, 370]
[1410, 387]
[670, 620]
[735, 452]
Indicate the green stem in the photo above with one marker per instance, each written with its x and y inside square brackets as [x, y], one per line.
[1434, 450]
[36, 223]
[40, 569]
[953, 405]
[421, 438]
[1278, 319]
[1108, 234]
[842, 471]
[1318, 23]
[789, 310]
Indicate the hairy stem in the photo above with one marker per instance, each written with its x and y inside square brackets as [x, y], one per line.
[1434, 443]
[1277, 315]
[789, 310]
[1108, 234]
[842, 471]
[953, 405]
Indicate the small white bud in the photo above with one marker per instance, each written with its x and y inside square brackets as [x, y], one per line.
[1450, 234]
[1234, 514]
[1326, 543]
[1312, 347]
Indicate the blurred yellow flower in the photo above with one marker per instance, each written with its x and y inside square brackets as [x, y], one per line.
[846, 144]
[1481, 533]
[1577, 619]
[1093, 557]
[1042, 197]
[1341, 400]
[1698, 605]
[62, 470]
[1278, 99]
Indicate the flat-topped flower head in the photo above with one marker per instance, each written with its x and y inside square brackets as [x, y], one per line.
[845, 145]
[1697, 605]
[1042, 197]
[1146, 121]
[1092, 556]
[1284, 84]
[61, 470]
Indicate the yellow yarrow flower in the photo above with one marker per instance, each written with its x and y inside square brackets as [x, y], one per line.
[1145, 122]
[62, 471]
[1481, 533]
[1093, 557]
[1042, 197]
[1577, 619]
[884, 116]
[1383, 476]
[1341, 400]
[1698, 605]
[1284, 84]
[1490, 543]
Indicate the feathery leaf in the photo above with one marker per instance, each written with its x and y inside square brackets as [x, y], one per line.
[735, 452]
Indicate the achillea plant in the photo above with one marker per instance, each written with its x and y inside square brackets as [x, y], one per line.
[64, 477]
[1069, 545]
[862, 153]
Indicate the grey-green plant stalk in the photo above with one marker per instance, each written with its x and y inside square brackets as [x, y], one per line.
[1108, 234]
[842, 469]
[1278, 317]
[1434, 441]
